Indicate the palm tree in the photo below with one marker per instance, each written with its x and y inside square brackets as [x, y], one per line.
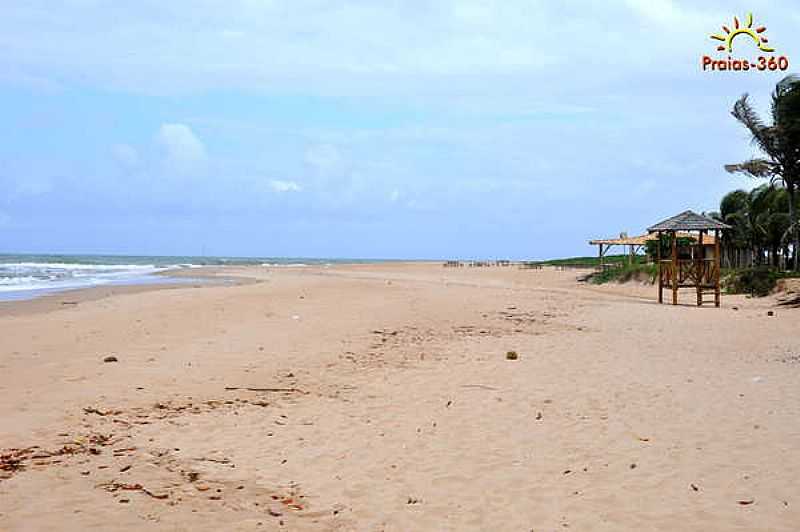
[780, 143]
[759, 222]
[769, 208]
[734, 210]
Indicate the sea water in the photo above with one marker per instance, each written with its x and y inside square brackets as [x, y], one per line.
[25, 276]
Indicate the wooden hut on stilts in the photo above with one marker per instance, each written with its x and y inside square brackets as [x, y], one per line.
[691, 263]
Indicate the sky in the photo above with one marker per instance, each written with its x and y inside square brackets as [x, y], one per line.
[367, 128]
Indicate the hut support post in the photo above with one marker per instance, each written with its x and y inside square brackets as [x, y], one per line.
[658, 263]
[674, 236]
[600, 257]
[716, 268]
[699, 269]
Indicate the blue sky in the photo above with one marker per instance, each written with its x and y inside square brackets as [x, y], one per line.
[384, 129]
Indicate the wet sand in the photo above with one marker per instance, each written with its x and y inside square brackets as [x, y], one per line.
[379, 397]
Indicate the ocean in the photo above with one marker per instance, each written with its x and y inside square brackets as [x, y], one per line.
[26, 276]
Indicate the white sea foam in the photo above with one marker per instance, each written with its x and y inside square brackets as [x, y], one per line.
[47, 276]
[26, 275]
[284, 265]
[76, 266]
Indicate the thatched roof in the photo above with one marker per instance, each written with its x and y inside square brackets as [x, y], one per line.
[624, 240]
[641, 240]
[688, 221]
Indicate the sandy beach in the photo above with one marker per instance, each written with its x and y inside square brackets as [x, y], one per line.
[379, 397]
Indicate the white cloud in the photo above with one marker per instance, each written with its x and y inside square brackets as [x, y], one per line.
[325, 159]
[421, 49]
[232, 34]
[661, 11]
[184, 152]
[328, 43]
[32, 186]
[646, 188]
[126, 155]
[284, 186]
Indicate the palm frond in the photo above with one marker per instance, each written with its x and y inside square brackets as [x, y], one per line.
[784, 87]
[760, 168]
[787, 235]
[747, 116]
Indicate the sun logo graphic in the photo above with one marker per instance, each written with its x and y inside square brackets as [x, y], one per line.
[739, 32]
[747, 30]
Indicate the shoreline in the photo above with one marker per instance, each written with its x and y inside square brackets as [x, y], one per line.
[50, 301]
[206, 276]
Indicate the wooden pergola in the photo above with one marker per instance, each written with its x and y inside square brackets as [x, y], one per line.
[633, 243]
[695, 265]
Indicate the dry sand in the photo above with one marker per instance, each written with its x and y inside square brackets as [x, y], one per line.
[379, 397]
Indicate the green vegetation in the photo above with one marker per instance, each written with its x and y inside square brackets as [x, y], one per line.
[753, 281]
[759, 281]
[760, 226]
[624, 273]
[590, 261]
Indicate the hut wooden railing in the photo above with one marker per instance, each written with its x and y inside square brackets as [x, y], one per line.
[709, 273]
[691, 272]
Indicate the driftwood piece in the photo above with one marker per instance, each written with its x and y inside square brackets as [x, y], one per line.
[250, 389]
[114, 486]
[481, 386]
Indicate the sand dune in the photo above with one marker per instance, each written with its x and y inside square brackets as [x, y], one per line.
[379, 397]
